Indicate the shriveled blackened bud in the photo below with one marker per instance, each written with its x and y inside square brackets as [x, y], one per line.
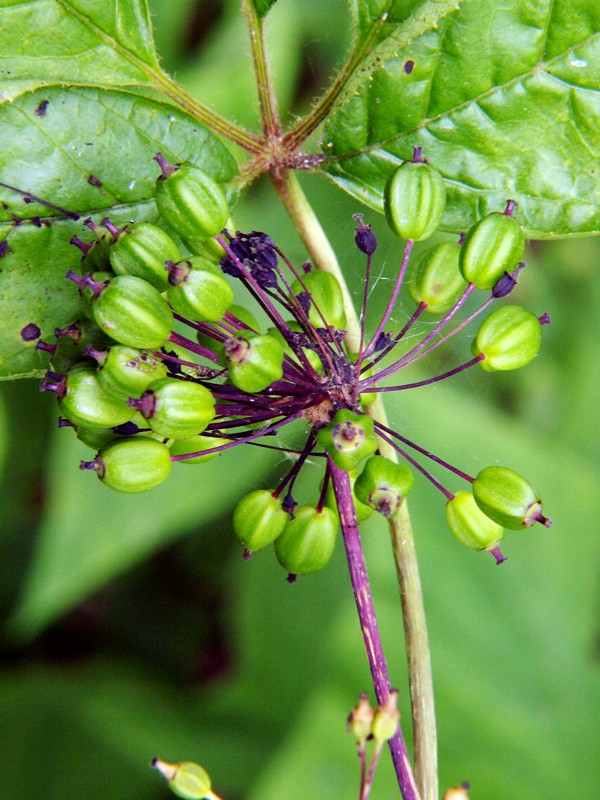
[507, 282]
[365, 239]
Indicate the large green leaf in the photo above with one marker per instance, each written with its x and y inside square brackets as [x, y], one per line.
[503, 101]
[86, 42]
[80, 133]
[92, 534]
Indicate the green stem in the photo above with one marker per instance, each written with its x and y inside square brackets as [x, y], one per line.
[403, 545]
[218, 124]
[264, 82]
[303, 129]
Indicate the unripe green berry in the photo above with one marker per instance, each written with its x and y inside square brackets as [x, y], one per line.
[436, 278]
[308, 540]
[196, 444]
[348, 438]
[493, 246]
[133, 464]
[86, 293]
[85, 403]
[258, 519]
[132, 312]
[470, 525]
[510, 338]
[254, 362]
[386, 718]
[175, 408]
[507, 498]
[383, 485]
[142, 250]
[326, 297]
[415, 200]
[96, 438]
[191, 202]
[186, 779]
[199, 293]
[127, 371]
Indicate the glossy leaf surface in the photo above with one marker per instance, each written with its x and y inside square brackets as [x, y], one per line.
[83, 42]
[504, 103]
[63, 143]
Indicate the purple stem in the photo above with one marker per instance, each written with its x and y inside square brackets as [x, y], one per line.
[448, 374]
[394, 296]
[424, 452]
[175, 338]
[417, 350]
[368, 622]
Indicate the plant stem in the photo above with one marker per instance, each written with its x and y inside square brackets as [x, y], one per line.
[218, 124]
[368, 622]
[403, 545]
[262, 72]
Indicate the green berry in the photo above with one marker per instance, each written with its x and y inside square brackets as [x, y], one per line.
[348, 438]
[415, 200]
[383, 485]
[198, 292]
[255, 362]
[493, 246]
[190, 201]
[510, 338]
[196, 444]
[127, 371]
[259, 519]
[85, 403]
[186, 779]
[308, 540]
[132, 312]
[470, 525]
[507, 498]
[142, 250]
[436, 278]
[175, 408]
[326, 299]
[133, 464]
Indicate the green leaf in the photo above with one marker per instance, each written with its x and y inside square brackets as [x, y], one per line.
[504, 103]
[91, 534]
[82, 42]
[110, 135]
[263, 7]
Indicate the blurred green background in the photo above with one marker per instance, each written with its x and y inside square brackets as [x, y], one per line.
[133, 628]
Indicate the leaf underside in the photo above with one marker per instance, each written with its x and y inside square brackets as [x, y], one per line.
[58, 140]
[504, 102]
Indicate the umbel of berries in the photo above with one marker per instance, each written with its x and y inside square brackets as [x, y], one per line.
[185, 376]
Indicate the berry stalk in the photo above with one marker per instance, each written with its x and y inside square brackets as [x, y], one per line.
[368, 622]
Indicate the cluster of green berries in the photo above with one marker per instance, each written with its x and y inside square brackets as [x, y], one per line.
[143, 395]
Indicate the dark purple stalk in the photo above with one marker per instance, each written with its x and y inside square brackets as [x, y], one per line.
[175, 338]
[461, 368]
[368, 622]
[392, 301]
[417, 313]
[234, 443]
[424, 452]
[417, 351]
[448, 495]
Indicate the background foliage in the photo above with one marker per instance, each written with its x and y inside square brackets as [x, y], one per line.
[134, 629]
